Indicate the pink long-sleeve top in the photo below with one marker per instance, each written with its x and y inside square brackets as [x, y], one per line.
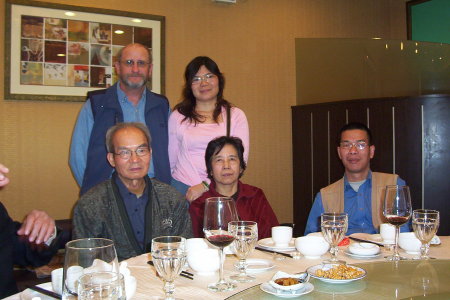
[188, 142]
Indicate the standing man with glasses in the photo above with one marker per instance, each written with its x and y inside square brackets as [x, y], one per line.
[130, 208]
[126, 101]
[360, 193]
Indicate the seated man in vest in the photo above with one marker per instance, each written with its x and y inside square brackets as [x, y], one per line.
[126, 101]
[130, 208]
[360, 193]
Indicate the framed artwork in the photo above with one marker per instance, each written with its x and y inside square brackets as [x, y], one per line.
[60, 52]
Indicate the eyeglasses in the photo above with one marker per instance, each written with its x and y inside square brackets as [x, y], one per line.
[206, 77]
[130, 63]
[360, 145]
[125, 154]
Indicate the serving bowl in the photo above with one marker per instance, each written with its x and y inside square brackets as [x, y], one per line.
[312, 247]
[409, 242]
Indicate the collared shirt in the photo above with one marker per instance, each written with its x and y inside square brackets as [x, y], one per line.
[358, 206]
[83, 129]
[135, 209]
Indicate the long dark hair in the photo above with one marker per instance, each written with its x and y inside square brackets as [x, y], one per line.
[187, 106]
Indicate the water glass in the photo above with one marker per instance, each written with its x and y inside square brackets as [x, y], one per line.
[425, 223]
[101, 285]
[169, 258]
[334, 226]
[245, 237]
[86, 256]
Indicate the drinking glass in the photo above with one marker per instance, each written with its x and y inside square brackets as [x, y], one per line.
[334, 226]
[86, 256]
[169, 258]
[219, 211]
[397, 211]
[425, 223]
[245, 237]
[101, 285]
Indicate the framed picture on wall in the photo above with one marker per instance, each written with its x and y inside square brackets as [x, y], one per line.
[60, 52]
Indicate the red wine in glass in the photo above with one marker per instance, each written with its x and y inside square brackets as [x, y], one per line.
[397, 220]
[220, 240]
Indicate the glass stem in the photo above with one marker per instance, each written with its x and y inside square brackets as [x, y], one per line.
[222, 259]
[424, 250]
[397, 233]
[169, 288]
[242, 267]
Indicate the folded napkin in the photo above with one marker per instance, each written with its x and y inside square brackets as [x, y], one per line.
[130, 281]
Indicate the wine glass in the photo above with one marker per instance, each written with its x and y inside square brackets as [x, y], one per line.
[245, 237]
[101, 285]
[219, 211]
[334, 226]
[169, 258]
[425, 223]
[397, 211]
[86, 256]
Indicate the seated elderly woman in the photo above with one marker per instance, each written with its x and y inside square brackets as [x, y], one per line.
[225, 165]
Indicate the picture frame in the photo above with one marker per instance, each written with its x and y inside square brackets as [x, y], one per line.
[57, 52]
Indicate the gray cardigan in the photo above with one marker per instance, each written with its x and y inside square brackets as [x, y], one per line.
[101, 213]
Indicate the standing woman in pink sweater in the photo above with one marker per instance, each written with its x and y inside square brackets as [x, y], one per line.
[201, 116]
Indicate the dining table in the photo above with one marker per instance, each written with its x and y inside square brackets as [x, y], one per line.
[411, 278]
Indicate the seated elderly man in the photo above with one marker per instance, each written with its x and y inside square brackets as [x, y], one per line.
[225, 165]
[21, 243]
[130, 208]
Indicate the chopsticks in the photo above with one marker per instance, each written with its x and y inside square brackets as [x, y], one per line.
[44, 291]
[271, 251]
[183, 273]
[365, 241]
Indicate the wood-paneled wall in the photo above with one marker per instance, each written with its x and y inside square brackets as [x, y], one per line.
[253, 42]
[411, 138]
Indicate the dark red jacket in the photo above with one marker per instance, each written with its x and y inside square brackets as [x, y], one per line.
[251, 205]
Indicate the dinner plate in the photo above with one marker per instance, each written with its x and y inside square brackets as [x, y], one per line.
[29, 294]
[255, 265]
[268, 243]
[359, 256]
[312, 272]
[266, 287]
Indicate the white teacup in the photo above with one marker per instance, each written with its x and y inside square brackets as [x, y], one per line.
[281, 235]
[57, 279]
[387, 232]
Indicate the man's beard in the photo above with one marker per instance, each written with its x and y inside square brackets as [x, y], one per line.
[133, 85]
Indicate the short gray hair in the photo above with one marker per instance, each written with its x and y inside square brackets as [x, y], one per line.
[113, 130]
[120, 53]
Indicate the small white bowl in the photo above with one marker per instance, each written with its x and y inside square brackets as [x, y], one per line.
[364, 248]
[312, 247]
[302, 278]
[409, 242]
[204, 262]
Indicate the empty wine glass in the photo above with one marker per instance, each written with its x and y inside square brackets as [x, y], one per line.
[101, 285]
[334, 226]
[219, 211]
[169, 258]
[245, 237]
[425, 223]
[86, 256]
[397, 211]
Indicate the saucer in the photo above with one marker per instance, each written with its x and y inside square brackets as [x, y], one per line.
[255, 265]
[268, 244]
[359, 256]
[266, 287]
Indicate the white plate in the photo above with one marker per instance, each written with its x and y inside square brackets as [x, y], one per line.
[266, 287]
[268, 243]
[312, 271]
[255, 265]
[377, 238]
[29, 294]
[347, 252]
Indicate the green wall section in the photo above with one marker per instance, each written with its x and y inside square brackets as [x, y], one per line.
[431, 21]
